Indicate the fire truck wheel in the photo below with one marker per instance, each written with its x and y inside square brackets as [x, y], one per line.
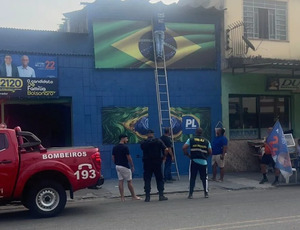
[46, 199]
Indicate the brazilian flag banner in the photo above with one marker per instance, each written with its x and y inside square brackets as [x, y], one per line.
[129, 44]
[134, 122]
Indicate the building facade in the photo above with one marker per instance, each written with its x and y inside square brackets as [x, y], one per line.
[261, 75]
[261, 85]
[102, 77]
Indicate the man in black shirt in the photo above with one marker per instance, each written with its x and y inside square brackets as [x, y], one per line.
[121, 157]
[152, 159]
[170, 156]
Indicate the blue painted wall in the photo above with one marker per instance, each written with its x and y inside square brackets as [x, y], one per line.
[92, 89]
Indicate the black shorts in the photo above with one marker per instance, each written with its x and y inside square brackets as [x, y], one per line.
[267, 159]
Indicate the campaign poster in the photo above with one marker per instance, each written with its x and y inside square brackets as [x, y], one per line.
[129, 44]
[132, 121]
[28, 76]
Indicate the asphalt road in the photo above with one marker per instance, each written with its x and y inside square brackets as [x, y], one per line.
[246, 209]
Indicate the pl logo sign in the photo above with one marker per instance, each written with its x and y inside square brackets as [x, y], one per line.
[190, 124]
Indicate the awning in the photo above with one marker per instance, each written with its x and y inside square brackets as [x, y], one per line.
[260, 63]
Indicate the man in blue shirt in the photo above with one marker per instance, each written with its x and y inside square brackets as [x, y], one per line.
[200, 149]
[219, 150]
[24, 69]
[159, 29]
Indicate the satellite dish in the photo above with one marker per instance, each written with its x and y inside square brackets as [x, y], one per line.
[248, 43]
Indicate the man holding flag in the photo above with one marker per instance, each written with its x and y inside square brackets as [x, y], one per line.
[277, 147]
[266, 160]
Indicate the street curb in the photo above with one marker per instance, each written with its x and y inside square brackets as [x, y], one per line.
[288, 185]
[170, 192]
[18, 206]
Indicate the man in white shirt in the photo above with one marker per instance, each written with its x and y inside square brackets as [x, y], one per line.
[24, 69]
[8, 69]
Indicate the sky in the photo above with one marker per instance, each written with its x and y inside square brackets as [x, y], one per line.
[41, 14]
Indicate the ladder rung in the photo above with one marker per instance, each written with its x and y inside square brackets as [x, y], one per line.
[162, 84]
[163, 101]
[163, 110]
[163, 92]
[159, 75]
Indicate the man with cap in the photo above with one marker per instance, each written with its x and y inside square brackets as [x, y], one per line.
[152, 158]
[121, 157]
[200, 149]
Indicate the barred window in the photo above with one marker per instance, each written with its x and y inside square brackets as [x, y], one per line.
[265, 19]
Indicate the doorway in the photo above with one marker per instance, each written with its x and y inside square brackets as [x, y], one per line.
[51, 122]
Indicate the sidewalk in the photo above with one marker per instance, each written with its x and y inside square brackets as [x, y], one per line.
[110, 190]
[233, 181]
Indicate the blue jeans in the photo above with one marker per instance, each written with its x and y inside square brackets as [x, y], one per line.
[159, 37]
[168, 167]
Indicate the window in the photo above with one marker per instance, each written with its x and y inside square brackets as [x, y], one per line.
[3, 142]
[251, 116]
[243, 121]
[272, 109]
[265, 19]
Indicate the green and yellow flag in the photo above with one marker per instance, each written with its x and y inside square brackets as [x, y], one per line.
[129, 44]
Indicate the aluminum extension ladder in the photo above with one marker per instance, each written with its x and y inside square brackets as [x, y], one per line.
[163, 100]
